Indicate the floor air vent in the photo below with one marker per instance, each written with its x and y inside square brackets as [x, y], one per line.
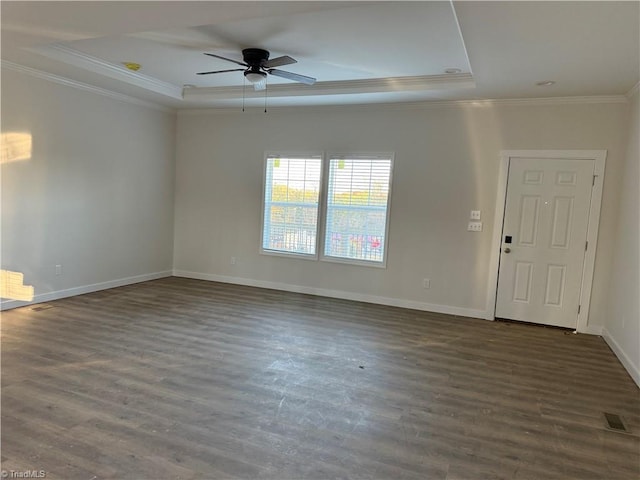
[614, 422]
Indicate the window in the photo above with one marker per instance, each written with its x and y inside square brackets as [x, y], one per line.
[357, 208]
[292, 191]
[355, 201]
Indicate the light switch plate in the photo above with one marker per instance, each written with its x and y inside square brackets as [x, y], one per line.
[474, 227]
[475, 215]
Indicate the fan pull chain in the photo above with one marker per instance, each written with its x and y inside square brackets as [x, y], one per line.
[244, 84]
[266, 86]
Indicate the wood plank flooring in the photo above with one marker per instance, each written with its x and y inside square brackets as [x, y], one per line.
[186, 379]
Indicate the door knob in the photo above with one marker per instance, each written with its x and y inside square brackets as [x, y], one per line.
[507, 250]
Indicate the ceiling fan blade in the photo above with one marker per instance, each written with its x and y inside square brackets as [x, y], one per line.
[221, 71]
[292, 76]
[227, 59]
[279, 61]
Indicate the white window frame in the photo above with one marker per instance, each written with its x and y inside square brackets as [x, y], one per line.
[292, 154]
[324, 207]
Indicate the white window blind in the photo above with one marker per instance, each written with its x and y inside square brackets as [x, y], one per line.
[292, 190]
[357, 208]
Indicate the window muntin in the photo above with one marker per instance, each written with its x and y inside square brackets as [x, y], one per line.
[357, 208]
[291, 204]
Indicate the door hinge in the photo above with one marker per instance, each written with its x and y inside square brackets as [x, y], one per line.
[594, 180]
[578, 309]
[586, 245]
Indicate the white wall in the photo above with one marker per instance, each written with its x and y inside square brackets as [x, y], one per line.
[96, 195]
[622, 322]
[446, 164]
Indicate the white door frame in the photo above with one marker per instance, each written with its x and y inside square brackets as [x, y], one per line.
[599, 158]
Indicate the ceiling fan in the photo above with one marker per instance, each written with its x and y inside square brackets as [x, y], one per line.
[257, 66]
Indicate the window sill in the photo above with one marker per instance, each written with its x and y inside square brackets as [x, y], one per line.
[300, 256]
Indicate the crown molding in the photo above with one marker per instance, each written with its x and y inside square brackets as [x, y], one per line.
[16, 67]
[84, 61]
[79, 59]
[330, 88]
[506, 102]
[374, 85]
[578, 100]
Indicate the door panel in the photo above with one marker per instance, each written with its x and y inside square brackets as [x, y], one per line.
[555, 285]
[546, 216]
[562, 221]
[528, 230]
[522, 283]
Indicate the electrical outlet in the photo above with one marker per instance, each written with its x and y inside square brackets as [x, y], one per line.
[474, 227]
[58, 269]
[475, 215]
[426, 283]
[233, 260]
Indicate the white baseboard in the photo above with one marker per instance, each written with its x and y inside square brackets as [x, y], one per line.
[591, 330]
[626, 362]
[323, 292]
[70, 292]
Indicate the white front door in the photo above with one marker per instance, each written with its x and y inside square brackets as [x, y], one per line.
[544, 240]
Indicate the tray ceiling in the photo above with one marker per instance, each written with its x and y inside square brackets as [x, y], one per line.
[360, 52]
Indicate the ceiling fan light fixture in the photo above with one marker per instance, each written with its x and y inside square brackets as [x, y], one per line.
[255, 77]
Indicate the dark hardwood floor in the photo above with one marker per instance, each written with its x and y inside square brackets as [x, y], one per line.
[186, 379]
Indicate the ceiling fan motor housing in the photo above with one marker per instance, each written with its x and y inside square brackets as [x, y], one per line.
[255, 57]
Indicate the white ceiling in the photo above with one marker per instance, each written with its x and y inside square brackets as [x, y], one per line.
[360, 52]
